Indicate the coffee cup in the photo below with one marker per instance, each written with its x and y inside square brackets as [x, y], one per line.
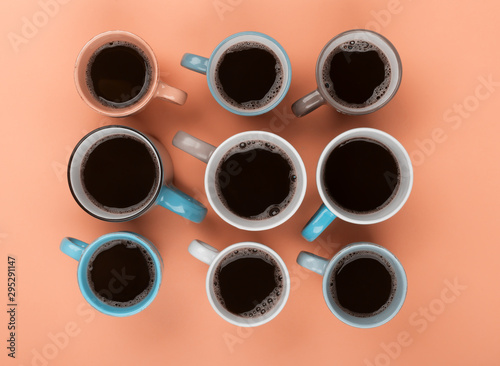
[117, 173]
[248, 73]
[117, 74]
[254, 180]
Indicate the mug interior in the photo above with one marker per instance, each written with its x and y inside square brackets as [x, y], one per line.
[81, 72]
[77, 160]
[90, 296]
[257, 38]
[399, 295]
[405, 181]
[379, 41]
[231, 317]
[244, 223]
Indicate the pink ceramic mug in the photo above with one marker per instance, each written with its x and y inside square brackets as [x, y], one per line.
[93, 91]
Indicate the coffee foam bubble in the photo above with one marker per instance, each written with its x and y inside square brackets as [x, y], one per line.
[272, 299]
[358, 255]
[117, 210]
[129, 245]
[273, 91]
[357, 46]
[143, 88]
[249, 145]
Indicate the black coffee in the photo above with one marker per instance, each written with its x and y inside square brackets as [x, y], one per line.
[248, 282]
[121, 273]
[118, 74]
[120, 173]
[356, 74]
[256, 180]
[361, 175]
[363, 284]
[249, 75]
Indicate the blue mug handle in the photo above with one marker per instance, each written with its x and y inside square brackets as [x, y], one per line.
[318, 223]
[182, 204]
[73, 247]
[195, 63]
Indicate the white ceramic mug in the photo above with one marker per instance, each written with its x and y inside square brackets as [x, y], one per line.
[329, 210]
[325, 268]
[214, 156]
[211, 256]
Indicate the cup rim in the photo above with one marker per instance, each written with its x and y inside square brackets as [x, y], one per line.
[373, 107]
[286, 81]
[153, 198]
[226, 214]
[343, 214]
[230, 317]
[401, 287]
[89, 295]
[145, 99]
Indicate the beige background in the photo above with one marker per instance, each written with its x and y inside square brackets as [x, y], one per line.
[445, 236]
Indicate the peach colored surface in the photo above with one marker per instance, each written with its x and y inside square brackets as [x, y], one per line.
[445, 236]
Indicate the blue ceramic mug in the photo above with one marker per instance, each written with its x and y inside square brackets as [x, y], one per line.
[163, 192]
[329, 268]
[120, 278]
[244, 40]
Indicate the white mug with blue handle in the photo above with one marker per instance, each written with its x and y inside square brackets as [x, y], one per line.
[209, 67]
[165, 193]
[329, 209]
[325, 268]
[83, 253]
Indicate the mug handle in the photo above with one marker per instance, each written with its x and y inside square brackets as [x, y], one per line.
[312, 262]
[170, 94]
[195, 63]
[202, 251]
[307, 104]
[199, 149]
[73, 247]
[179, 202]
[318, 223]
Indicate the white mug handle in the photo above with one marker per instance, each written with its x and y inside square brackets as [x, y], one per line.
[193, 146]
[202, 251]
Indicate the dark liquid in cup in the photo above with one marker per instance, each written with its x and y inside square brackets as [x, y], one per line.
[256, 180]
[118, 74]
[363, 284]
[120, 174]
[248, 282]
[356, 74]
[249, 75]
[121, 273]
[361, 175]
